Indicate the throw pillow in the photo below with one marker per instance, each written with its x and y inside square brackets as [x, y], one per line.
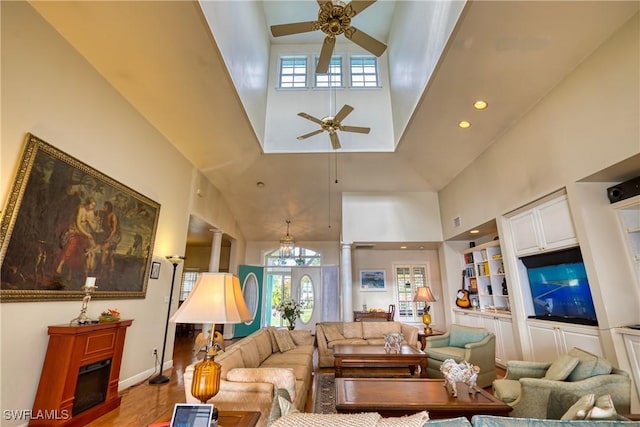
[275, 412]
[284, 340]
[561, 368]
[286, 407]
[415, 420]
[332, 333]
[589, 365]
[302, 419]
[579, 410]
[272, 334]
[603, 409]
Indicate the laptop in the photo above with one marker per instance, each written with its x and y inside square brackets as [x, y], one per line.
[191, 415]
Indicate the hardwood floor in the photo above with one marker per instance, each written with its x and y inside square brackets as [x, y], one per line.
[144, 403]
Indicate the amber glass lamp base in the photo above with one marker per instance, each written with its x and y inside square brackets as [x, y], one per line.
[206, 379]
[426, 319]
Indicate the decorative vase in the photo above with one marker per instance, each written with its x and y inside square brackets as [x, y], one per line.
[291, 326]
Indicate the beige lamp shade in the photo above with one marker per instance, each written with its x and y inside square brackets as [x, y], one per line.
[424, 294]
[215, 298]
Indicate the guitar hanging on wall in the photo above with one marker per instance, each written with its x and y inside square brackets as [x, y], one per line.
[462, 297]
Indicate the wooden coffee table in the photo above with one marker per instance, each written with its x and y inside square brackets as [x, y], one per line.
[393, 397]
[359, 356]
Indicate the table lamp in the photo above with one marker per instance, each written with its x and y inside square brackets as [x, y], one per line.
[215, 298]
[425, 295]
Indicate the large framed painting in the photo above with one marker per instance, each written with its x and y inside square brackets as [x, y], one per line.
[65, 221]
[372, 280]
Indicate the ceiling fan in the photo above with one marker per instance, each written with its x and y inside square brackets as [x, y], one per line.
[332, 124]
[334, 18]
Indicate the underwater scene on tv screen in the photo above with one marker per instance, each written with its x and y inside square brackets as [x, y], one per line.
[561, 290]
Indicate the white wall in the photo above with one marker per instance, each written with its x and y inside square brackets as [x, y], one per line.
[367, 259]
[587, 123]
[52, 92]
[391, 217]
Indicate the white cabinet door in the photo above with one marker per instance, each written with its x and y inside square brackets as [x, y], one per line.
[556, 225]
[550, 340]
[584, 338]
[509, 350]
[544, 342]
[490, 324]
[525, 233]
[467, 319]
[543, 228]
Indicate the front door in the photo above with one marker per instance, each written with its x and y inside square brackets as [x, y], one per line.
[306, 288]
[251, 277]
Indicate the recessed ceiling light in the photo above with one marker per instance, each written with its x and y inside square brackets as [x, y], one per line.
[464, 124]
[474, 231]
[480, 104]
[403, 247]
[260, 184]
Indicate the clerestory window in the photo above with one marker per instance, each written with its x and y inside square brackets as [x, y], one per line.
[293, 72]
[364, 71]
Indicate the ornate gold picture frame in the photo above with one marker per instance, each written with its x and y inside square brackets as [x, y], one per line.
[65, 221]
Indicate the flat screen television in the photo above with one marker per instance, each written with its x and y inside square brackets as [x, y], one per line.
[559, 287]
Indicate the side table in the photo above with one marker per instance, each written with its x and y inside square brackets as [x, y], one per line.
[422, 337]
[225, 419]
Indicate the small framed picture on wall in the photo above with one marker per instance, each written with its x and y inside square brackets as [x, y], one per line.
[155, 270]
[372, 280]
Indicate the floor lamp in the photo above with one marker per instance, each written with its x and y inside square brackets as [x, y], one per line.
[161, 379]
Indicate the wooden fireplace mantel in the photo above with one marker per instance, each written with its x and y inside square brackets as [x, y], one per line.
[70, 348]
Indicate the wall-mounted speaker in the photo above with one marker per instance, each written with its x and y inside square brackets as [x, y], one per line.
[624, 190]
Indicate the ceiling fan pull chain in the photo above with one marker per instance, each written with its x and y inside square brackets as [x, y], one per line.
[336, 166]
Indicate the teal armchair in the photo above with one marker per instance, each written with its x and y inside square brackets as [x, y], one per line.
[463, 343]
[534, 390]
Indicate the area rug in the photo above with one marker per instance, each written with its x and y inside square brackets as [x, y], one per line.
[325, 394]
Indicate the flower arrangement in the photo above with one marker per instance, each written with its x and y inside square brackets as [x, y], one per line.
[290, 310]
[109, 315]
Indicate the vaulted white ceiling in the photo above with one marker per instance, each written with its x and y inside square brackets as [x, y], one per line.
[199, 72]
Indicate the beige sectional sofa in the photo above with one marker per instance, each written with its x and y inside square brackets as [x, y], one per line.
[329, 334]
[255, 366]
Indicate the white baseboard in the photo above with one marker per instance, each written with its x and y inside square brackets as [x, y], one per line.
[142, 376]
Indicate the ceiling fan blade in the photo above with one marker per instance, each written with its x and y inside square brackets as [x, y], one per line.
[309, 117]
[335, 141]
[366, 42]
[307, 135]
[344, 112]
[358, 6]
[357, 129]
[295, 28]
[325, 55]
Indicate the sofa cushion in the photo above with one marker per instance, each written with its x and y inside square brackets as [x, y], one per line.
[379, 329]
[449, 422]
[332, 333]
[588, 365]
[415, 420]
[352, 329]
[284, 340]
[507, 390]
[350, 341]
[250, 355]
[232, 359]
[561, 368]
[578, 411]
[272, 336]
[461, 335]
[497, 421]
[262, 342]
[279, 377]
[444, 353]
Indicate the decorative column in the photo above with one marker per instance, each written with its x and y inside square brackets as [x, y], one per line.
[346, 282]
[214, 267]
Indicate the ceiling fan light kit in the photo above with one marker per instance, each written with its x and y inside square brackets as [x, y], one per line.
[332, 124]
[334, 18]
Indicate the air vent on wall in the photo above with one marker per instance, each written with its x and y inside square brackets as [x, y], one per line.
[364, 245]
[457, 222]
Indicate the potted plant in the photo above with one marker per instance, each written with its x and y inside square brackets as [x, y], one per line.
[290, 311]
